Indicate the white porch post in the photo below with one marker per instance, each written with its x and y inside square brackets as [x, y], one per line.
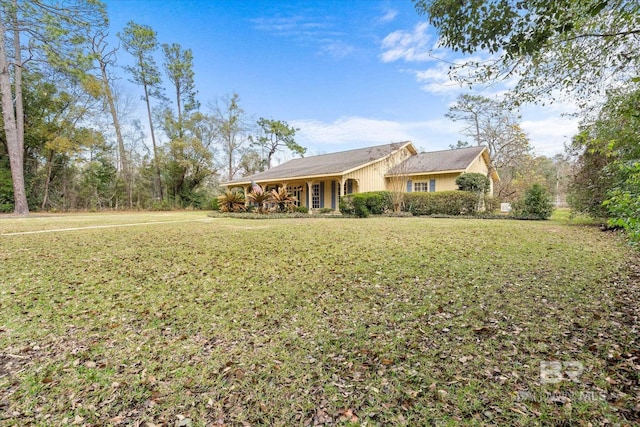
[310, 195]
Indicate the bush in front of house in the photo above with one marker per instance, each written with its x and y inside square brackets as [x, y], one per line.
[376, 203]
[441, 203]
[536, 204]
[474, 182]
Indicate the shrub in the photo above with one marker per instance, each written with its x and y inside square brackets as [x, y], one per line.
[214, 204]
[325, 211]
[623, 203]
[360, 208]
[301, 209]
[491, 204]
[376, 202]
[474, 182]
[536, 204]
[441, 203]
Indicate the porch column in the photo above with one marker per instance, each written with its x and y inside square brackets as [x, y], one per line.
[309, 195]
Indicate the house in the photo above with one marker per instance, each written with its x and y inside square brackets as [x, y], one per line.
[319, 181]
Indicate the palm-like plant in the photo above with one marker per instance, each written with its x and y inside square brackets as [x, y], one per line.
[232, 201]
[260, 198]
[282, 198]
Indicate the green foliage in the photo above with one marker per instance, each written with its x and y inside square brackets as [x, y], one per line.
[301, 209]
[623, 203]
[325, 210]
[575, 45]
[376, 202]
[214, 204]
[442, 203]
[277, 134]
[536, 204]
[474, 182]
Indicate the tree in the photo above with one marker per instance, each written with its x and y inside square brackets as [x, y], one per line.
[573, 45]
[536, 204]
[106, 58]
[251, 163]
[232, 128]
[56, 35]
[178, 65]
[491, 124]
[141, 42]
[277, 135]
[606, 153]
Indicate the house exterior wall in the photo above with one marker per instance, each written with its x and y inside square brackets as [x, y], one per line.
[371, 177]
[444, 182]
[479, 165]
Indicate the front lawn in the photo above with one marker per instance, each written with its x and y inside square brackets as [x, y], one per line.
[196, 321]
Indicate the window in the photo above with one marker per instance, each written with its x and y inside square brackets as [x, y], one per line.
[297, 193]
[315, 196]
[421, 186]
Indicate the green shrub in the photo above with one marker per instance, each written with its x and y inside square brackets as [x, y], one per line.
[536, 204]
[325, 210]
[376, 202]
[301, 209]
[161, 206]
[214, 204]
[474, 182]
[441, 203]
[360, 208]
[623, 203]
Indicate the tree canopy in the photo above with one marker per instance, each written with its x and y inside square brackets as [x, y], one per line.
[572, 45]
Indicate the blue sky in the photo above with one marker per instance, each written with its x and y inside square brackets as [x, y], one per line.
[347, 73]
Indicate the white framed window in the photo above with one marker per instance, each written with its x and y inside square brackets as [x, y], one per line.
[297, 193]
[315, 196]
[421, 186]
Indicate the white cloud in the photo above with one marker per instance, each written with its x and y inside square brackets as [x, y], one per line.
[548, 135]
[390, 15]
[411, 46]
[354, 132]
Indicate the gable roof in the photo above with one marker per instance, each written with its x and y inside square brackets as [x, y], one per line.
[326, 164]
[439, 161]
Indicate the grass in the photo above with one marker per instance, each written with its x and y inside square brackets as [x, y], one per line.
[189, 320]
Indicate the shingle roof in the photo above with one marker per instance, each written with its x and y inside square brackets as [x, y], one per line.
[324, 164]
[438, 161]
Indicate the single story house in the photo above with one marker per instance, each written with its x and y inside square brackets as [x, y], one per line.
[319, 181]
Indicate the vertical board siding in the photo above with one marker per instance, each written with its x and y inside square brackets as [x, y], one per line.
[333, 195]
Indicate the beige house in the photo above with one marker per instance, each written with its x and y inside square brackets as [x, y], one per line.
[319, 181]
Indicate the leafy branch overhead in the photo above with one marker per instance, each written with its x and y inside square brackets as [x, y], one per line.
[572, 45]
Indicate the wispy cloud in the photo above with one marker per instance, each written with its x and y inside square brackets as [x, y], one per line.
[320, 32]
[411, 46]
[355, 132]
[389, 15]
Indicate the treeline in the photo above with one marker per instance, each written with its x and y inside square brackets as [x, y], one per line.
[71, 137]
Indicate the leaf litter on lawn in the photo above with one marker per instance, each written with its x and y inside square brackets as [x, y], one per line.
[320, 322]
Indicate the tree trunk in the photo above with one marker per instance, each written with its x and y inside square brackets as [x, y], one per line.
[155, 148]
[124, 163]
[45, 197]
[15, 147]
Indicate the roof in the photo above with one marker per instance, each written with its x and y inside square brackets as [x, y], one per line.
[325, 164]
[438, 161]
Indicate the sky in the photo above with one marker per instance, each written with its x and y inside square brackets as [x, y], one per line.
[346, 73]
